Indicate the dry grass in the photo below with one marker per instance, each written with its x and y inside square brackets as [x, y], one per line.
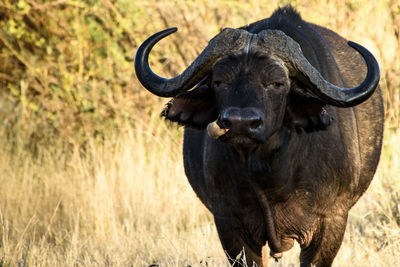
[123, 199]
[125, 203]
[129, 204]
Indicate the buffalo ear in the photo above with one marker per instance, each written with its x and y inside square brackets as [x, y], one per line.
[306, 113]
[195, 108]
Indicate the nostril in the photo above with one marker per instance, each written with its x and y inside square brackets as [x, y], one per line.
[241, 120]
[256, 123]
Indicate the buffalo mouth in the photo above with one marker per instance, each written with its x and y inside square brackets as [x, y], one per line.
[241, 140]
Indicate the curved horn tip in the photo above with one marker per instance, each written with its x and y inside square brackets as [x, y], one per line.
[365, 52]
[170, 30]
[143, 72]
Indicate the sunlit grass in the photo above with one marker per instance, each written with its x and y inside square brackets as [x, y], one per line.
[129, 203]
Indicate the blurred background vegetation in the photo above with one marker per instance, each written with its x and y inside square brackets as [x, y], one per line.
[89, 173]
[66, 71]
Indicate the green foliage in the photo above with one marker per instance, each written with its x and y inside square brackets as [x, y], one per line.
[66, 70]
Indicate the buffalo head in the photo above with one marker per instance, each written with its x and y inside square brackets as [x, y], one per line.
[249, 85]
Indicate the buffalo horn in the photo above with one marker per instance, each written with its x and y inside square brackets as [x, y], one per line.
[227, 41]
[278, 43]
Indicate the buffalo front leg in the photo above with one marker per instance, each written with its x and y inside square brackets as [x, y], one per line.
[325, 243]
[238, 252]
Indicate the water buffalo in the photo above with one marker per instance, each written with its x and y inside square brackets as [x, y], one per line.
[283, 133]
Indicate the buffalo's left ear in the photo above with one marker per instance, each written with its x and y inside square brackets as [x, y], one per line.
[195, 108]
[307, 114]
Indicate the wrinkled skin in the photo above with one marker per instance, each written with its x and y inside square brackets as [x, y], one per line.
[289, 168]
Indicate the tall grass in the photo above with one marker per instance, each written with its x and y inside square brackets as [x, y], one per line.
[91, 176]
[128, 203]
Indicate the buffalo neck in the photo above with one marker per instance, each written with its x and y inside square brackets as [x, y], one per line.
[266, 162]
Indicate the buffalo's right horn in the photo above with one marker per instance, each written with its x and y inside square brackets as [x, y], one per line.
[228, 41]
[275, 42]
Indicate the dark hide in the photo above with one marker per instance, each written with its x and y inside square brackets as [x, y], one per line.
[294, 165]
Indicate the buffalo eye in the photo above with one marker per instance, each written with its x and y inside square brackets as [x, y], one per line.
[219, 84]
[274, 85]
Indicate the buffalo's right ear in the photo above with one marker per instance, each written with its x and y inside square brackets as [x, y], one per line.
[195, 108]
[305, 113]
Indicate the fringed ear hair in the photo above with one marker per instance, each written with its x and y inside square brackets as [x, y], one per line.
[194, 108]
[306, 114]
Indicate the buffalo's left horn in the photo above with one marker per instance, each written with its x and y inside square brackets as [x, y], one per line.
[227, 41]
[278, 43]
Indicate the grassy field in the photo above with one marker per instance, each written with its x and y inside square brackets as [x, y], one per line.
[91, 176]
[128, 204]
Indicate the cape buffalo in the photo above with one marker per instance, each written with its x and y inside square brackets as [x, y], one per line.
[283, 133]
